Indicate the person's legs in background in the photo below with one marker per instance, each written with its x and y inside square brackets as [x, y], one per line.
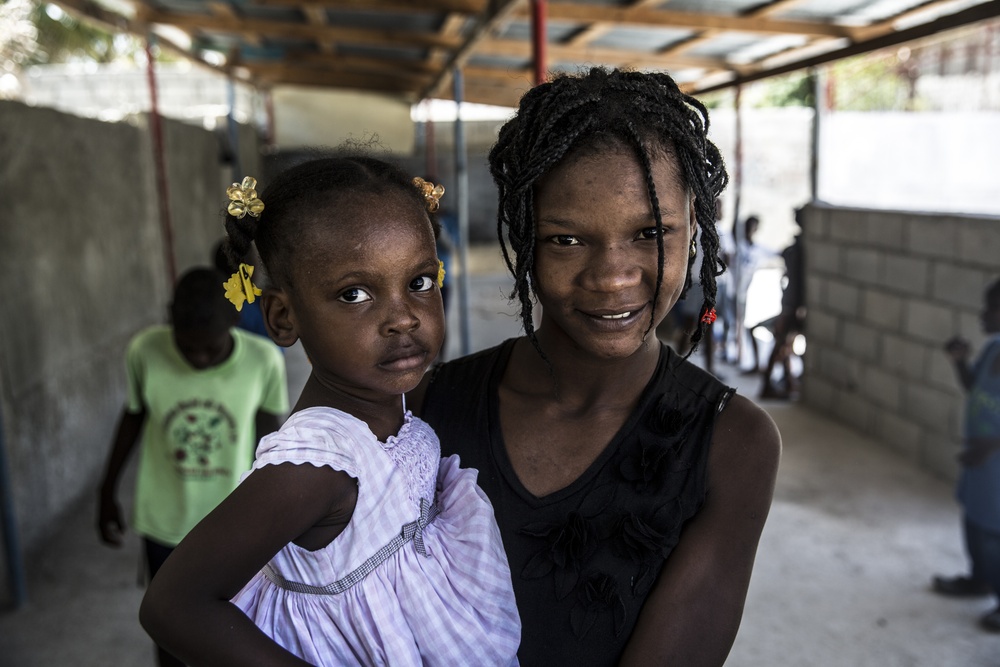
[984, 553]
[156, 555]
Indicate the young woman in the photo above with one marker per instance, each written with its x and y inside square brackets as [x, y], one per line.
[630, 486]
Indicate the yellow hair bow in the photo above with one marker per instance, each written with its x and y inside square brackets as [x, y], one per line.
[432, 193]
[240, 288]
[243, 198]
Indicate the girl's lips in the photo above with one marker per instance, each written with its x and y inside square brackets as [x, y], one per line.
[405, 359]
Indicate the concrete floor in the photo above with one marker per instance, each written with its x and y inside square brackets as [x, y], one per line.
[842, 573]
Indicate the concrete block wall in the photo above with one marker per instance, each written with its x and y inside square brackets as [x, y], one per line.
[82, 269]
[885, 290]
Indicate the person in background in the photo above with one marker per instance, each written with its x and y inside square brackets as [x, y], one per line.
[200, 394]
[978, 488]
[790, 322]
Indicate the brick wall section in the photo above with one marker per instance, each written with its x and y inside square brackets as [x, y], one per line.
[885, 290]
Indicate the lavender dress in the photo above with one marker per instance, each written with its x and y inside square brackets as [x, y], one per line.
[418, 577]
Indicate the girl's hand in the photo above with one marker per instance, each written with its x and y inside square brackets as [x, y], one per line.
[958, 349]
[977, 450]
[109, 521]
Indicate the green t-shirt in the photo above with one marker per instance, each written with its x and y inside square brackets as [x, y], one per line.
[199, 432]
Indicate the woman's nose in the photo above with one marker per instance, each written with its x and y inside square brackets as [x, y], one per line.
[612, 268]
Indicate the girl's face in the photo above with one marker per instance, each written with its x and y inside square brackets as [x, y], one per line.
[365, 301]
[203, 347]
[596, 255]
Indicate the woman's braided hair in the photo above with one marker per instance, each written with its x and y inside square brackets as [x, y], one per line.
[592, 111]
[307, 194]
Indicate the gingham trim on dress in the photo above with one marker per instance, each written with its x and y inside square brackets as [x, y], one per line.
[412, 531]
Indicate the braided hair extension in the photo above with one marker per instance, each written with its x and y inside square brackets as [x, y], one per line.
[592, 111]
[307, 194]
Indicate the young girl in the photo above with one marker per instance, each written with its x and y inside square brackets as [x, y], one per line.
[347, 543]
[630, 486]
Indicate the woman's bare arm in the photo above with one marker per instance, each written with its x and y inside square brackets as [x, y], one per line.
[187, 609]
[693, 613]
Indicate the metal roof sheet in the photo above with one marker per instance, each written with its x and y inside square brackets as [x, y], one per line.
[410, 48]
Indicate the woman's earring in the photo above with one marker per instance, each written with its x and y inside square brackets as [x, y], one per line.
[694, 248]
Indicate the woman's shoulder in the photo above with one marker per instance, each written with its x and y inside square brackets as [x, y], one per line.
[745, 436]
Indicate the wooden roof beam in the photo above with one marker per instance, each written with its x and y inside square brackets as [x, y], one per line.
[285, 29]
[510, 48]
[659, 18]
[974, 14]
[595, 30]
[317, 16]
[466, 7]
[224, 10]
[489, 21]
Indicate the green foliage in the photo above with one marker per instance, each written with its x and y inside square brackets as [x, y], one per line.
[879, 81]
[788, 90]
[36, 33]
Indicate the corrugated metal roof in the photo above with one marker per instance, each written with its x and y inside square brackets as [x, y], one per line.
[410, 48]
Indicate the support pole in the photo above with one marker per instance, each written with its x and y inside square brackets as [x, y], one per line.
[819, 106]
[160, 165]
[539, 11]
[738, 235]
[234, 131]
[462, 179]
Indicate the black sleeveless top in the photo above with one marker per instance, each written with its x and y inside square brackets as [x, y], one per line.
[584, 558]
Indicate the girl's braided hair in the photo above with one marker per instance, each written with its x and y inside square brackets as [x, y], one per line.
[307, 194]
[595, 110]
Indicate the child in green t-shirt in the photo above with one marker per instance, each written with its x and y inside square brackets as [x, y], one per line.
[200, 395]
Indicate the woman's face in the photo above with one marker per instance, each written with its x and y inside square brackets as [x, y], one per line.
[596, 254]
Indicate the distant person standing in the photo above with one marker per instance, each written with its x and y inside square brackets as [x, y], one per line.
[200, 394]
[979, 484]
[790, 322]
[749, 257]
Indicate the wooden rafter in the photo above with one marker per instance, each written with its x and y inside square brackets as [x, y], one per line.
[488, 22]
[660, 18]
[287, 29]
[451, 44]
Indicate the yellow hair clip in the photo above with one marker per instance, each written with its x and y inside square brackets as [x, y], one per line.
[240, 288]
[243, 198]
[432, 193]
[440, 273]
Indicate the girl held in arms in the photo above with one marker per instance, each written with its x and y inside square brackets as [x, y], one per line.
[351, 541]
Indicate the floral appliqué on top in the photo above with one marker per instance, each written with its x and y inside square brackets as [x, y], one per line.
[642, 539]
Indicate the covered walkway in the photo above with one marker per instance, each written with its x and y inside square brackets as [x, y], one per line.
[842, 574]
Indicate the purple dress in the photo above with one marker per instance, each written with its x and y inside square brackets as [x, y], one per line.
[418, 577]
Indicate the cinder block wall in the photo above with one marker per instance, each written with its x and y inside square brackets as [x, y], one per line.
[82, 269]
[885, 291]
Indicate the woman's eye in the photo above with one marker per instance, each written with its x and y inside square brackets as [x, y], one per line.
[651, 233]
[422, 284]
[565, 239]
[355, 295]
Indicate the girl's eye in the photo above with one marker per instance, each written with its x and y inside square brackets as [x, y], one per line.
[355, 295]
[651, 233]
[565, 239]
[422, 284]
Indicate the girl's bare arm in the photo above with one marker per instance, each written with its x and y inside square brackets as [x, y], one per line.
[187, 610]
